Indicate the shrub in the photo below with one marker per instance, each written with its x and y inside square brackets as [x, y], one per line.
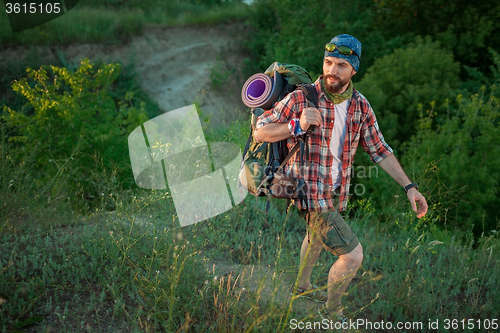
[455, 165]
[76, 138]
[401, 82]
[465, 154]
[461, 26]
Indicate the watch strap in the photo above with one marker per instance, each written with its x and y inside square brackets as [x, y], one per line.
[412, 185]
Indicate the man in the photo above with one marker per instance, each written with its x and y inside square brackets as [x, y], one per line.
[344, 119]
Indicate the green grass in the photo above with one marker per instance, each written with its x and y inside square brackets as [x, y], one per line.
[91, 24]
[133, 269]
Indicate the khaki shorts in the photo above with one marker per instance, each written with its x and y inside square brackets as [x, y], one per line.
[335, 235]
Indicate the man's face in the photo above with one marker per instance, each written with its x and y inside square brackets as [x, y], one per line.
[337, 73]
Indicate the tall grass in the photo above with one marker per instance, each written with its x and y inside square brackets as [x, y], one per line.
[134, 269]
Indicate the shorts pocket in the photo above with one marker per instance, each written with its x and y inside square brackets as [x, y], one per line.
[341, 234]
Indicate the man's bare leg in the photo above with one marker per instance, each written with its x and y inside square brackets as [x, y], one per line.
[340, 276]
[308, 259]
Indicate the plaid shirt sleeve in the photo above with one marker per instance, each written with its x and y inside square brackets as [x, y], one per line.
[283, 111]
[372, 139]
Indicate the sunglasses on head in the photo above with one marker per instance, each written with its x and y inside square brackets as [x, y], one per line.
[342, 49]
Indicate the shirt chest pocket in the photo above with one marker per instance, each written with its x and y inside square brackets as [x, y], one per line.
[357, 117]
[355, 127]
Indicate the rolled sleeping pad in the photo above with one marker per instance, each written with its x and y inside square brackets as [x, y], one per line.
[261, 91]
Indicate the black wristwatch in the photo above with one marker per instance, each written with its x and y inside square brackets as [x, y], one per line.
[412, 185]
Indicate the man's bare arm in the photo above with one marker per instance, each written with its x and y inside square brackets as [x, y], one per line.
[272, 132]
[391, 165]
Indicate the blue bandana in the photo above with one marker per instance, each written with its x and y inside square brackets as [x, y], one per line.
[352, 43]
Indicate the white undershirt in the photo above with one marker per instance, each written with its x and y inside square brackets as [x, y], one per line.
[337, 142]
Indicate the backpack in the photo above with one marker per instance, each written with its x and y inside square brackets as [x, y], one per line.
[262, 162]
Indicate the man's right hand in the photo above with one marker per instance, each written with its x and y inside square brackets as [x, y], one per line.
[310, 116]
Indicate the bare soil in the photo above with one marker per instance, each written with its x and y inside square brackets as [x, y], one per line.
[173, 64]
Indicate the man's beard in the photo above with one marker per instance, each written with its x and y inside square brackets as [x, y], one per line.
[334, 88]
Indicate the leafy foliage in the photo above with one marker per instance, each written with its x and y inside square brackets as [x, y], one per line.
[464, 28]
[465, 154]
[455, 164]
[296, 31]
[76, 127]
[399, 84]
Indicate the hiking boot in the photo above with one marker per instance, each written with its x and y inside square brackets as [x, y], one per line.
[314, 294]
[324, 314]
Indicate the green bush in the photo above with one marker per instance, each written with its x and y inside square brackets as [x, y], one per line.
[477, 79]
[76, 138]
[465, 28]
[455, 165]
[465, 155]
[399, 84]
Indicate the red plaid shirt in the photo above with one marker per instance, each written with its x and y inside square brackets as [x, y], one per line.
[361, 126]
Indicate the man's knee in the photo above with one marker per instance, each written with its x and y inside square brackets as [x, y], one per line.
[355, 257]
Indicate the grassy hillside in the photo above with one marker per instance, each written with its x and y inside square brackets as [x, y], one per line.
[84, 249]
[133, 269]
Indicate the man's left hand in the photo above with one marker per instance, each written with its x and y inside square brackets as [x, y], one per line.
[415, 198]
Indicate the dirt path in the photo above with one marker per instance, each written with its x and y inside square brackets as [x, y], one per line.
[265, 283]
[173, 65]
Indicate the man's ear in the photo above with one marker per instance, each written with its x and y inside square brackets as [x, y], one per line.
[354, 72]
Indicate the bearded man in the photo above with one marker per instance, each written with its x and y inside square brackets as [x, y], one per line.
[343, 119]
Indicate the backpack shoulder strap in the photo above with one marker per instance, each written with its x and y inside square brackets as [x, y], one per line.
[310, 92]
[312, 97]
